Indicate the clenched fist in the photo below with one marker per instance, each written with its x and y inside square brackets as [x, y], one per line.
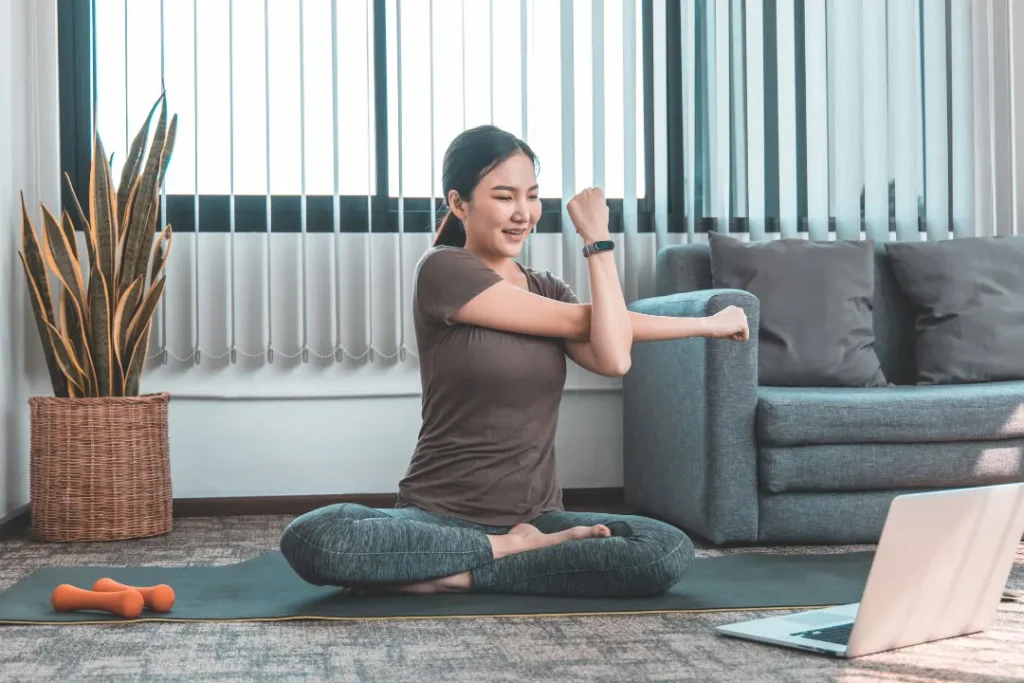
[589, 213]
[729, 323]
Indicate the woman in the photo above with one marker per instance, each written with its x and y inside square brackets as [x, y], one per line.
[480, 508]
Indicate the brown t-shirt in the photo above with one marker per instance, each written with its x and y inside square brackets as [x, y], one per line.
[486, 449]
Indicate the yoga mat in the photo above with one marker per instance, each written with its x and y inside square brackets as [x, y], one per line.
[266, 589]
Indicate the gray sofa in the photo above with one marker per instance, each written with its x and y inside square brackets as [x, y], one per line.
[707, 449]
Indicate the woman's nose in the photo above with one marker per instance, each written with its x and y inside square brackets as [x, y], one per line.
[522, 212]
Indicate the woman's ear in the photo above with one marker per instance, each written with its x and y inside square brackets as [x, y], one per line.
[457, 205]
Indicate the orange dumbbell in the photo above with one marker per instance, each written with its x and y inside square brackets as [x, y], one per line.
[157, 598]
[124, 603]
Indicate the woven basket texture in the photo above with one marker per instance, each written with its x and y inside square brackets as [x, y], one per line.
[99, 468]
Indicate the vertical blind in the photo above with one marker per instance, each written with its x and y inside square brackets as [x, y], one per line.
[306, 180]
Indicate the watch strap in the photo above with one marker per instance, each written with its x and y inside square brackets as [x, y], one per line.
[595, 247]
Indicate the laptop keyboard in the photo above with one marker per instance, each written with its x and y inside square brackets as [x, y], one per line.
[839, 635]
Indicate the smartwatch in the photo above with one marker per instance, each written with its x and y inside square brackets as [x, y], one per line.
[594, 247]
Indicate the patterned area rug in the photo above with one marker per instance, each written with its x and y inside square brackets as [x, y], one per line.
[616, 649]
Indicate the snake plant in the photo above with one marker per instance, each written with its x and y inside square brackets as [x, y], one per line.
[95, 327]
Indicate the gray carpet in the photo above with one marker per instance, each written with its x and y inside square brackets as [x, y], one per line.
[607, 648]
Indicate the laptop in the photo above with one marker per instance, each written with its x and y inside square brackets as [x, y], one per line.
[939, 571]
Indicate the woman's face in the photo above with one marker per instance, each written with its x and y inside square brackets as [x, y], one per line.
[504, 209]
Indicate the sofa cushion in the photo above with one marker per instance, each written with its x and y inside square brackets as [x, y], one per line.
[882, 466]
[817, 326]
[791, 416]
[969, 307]
[687, 268]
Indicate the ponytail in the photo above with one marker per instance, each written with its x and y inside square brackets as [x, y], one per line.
[451, 233]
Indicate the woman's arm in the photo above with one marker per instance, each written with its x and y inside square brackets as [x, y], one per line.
[509, 308]
[603, 327]
[610, 335]
[729, 323]
[600, 335]
[512, 309]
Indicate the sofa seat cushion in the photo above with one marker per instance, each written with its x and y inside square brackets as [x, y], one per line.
[794, 416]
[882, 466]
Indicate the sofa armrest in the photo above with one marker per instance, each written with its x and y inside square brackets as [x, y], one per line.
[689, 451]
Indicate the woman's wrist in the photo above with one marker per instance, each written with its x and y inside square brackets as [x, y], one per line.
[591, 236]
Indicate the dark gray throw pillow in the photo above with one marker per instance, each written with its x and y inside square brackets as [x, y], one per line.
[817, 298]
[968, 294]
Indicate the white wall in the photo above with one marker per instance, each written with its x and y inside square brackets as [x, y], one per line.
[303, 447]
[28, 163]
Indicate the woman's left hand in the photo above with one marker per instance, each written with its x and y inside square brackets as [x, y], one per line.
[729, 323]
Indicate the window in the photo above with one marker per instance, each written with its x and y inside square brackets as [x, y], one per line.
[767, 117]
[305, 101]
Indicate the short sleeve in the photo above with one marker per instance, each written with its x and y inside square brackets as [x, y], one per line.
[447, 278]
[556, 288]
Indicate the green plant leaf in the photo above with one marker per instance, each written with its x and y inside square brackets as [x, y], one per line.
[121, 320]
[66, 359]
[161, 254]
[99, 334]
[165, 159]
[126, 216]
[69, 233]
[137, 362]
[132, 162]
[82, 219]
[142, 227]
[148, 243]
[168, 149]
[90, 243]
[58, 380]
[58, 252]
[130, 299]
[145, 313]
[66, 316]
[103, 212]
[60, 257]
[34, 257]
[73, 325]
[42, 300]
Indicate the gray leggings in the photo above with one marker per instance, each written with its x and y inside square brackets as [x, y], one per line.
[354, 545]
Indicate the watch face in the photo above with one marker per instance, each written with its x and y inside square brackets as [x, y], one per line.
[603, 245]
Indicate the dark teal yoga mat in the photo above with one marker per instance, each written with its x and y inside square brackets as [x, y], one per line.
[266, 589]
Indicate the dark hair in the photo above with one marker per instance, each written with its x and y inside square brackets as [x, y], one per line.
[470, 156]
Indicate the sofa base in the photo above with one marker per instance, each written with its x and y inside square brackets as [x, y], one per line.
[834, 517]
[877, 466]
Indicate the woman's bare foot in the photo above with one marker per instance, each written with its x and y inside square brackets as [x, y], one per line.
[519, 538]
[457, 583]
[523, 537]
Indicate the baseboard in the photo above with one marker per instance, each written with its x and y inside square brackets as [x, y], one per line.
[14, 523]
[609, 499]
[272, 505]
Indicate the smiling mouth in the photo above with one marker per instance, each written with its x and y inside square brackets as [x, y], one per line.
[515, 232]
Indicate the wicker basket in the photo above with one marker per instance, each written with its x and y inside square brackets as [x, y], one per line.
[100, 468]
